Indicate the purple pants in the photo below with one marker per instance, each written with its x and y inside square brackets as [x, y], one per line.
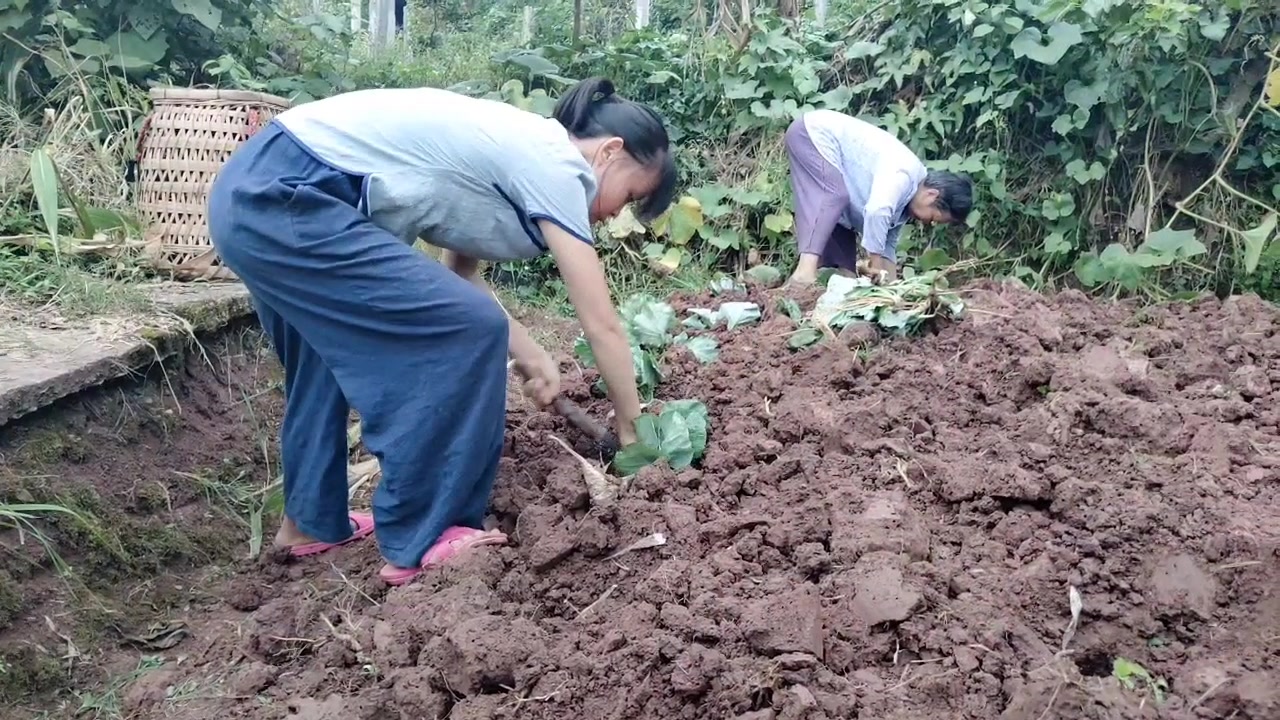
[820, 199]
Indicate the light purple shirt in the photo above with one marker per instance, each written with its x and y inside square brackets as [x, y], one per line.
[880, 173]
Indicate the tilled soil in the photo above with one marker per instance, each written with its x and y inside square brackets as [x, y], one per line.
[891, 534]
[139, 461]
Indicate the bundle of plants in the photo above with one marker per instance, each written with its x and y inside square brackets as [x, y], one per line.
[901, 307]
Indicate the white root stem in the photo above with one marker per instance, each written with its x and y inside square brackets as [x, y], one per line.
[600, 487]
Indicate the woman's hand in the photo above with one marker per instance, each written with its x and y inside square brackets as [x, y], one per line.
[881, 269]
[540, 371]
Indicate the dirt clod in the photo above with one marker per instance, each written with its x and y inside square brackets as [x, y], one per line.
[786, 623]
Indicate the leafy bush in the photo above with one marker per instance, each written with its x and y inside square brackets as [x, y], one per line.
[1113, 144]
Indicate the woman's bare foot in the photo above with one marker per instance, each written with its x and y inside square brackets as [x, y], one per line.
[300, 544]
[290, 536]
[800, 279]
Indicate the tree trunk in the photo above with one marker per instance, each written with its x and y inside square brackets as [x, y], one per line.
[577, 20]
[789, 9]
[526, 27]
[642, 13]
[382, 23]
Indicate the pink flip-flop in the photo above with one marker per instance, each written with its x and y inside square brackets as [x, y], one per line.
[363, 525]
[452, 543]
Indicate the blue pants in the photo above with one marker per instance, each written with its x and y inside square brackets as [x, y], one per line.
[357, 316]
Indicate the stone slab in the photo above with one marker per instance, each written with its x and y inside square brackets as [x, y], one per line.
[41, 363]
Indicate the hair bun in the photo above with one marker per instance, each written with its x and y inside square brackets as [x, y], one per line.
[604, 90]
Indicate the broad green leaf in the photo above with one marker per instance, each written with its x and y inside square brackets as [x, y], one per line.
[736, 314]
[697, 420]
[1084, 174]
[724, 239]
[648, 376]
[896, 320]
[790, 308]
[624, 224]
[1214, 25]
[44, 185]
[144, 20]
[779, 222]
[131, 52]
[975, 94]
[1094, 8]
[804, 337]
[675, 444]
[1126, 269]
[540, 102]
[647, 430]
[1083, 96]
[533, 62]
[742, 89]
[711, 199]
[766, 275]
[837, 98]
[983, 30]
[704, 348]
[805, 79]
[684, 220]
[671, 258]
[863, 49]
[1004, 101]
[1058, 205]
[701, 318]
[202, 10]
[1273, 87]
[1090, 271]
[88, 47]
[649, 322]
[1062, 36]
[1255, 241]
[1180, 244]
[633, 458]
[1056, 243]
[932, 259]
[107, 220]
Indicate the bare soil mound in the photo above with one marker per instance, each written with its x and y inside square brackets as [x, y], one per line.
[887, 533]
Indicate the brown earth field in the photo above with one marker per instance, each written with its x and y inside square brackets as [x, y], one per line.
[161, 469]
[891, 531]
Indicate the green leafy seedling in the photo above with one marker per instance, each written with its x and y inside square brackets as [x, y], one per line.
[1132, 675]
[677, 435]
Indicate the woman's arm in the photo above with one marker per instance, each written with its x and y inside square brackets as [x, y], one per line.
[584, 278]
[521, 347]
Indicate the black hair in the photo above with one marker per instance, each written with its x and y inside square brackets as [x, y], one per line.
[593, 109]
[955, 193]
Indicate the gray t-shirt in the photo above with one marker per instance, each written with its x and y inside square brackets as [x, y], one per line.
[473, 176]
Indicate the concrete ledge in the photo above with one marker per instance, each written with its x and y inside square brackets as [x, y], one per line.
[41, 365]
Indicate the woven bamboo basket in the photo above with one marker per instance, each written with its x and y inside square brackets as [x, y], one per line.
[185, 140]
